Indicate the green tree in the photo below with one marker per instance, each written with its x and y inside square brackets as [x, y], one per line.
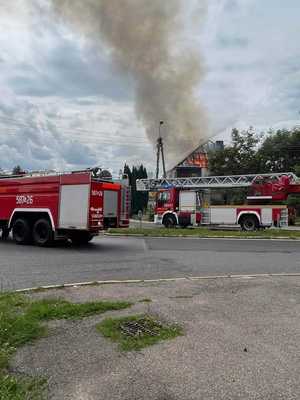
[280, 151]
[17, 170]
[139, 200]
[249, 153]
[297, 170]
[240, 157]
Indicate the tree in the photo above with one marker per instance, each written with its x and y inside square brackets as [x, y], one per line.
[238, 158]
[249, 153]
[127, 171]
[17, 170]
[297, 170]
[280, 151]
[139, 200]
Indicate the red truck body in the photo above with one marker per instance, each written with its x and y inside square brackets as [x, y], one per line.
[75, 205]
[194, 212]
[186, 201]
[278, 190]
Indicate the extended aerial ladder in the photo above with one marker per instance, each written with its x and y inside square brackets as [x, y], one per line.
[206, 182]
[186, 201]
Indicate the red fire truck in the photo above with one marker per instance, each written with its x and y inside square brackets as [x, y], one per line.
[186, 201]
[46, 207]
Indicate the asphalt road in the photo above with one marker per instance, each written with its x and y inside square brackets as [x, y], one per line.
[138, 258]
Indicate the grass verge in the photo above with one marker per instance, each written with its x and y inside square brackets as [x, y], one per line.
[48, 309]
[21, 322]
[112, 328]
[12, 388]
[207, 233]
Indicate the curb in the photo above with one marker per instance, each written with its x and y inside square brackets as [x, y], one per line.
[137, 221]
[282, 238]
[137, 281]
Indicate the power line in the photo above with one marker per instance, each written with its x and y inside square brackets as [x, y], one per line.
[96, 140]
[70, 130]
[118, 144]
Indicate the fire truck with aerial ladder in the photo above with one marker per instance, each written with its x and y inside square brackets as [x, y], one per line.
[186, 201]
[43, 207]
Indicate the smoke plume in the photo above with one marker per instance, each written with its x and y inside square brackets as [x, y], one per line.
[146, 42]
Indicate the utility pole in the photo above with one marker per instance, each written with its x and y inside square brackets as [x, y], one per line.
[157, 158]
[160, 149]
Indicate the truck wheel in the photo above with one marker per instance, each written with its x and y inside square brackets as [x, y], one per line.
[249, 223]
[42, 233]
[5, 233]
[169, 221]
[81, 238]
[21, 231]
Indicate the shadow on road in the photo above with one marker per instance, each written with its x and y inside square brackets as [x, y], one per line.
[62, 245]
[100, 244]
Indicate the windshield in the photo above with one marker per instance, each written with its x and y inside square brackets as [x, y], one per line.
[163, 198]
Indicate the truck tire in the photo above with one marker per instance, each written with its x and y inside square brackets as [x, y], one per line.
[21, 231]
[5, 233]
[81, 238]
[249, 223]
[42, 233]
[169, 221]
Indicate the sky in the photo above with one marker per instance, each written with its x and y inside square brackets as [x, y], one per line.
[64, 106]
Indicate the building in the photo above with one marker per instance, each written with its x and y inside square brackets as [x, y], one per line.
[196, 162]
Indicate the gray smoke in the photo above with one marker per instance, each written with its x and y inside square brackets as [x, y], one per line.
[146, 42]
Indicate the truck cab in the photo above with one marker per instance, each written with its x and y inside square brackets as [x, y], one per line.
[177, 207]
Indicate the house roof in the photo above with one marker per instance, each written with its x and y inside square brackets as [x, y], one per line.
[201, 148]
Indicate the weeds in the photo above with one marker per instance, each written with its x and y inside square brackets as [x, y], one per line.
[20, 323]
[153, 331]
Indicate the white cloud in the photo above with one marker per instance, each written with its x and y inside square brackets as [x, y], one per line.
[63, 106]
[252, 55]
[59, 133]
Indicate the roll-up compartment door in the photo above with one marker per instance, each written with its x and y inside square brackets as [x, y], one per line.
[74, 203]
[187, 201]
[110, 205]
[223, 215]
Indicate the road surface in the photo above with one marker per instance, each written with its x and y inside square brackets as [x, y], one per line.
[143, 258]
